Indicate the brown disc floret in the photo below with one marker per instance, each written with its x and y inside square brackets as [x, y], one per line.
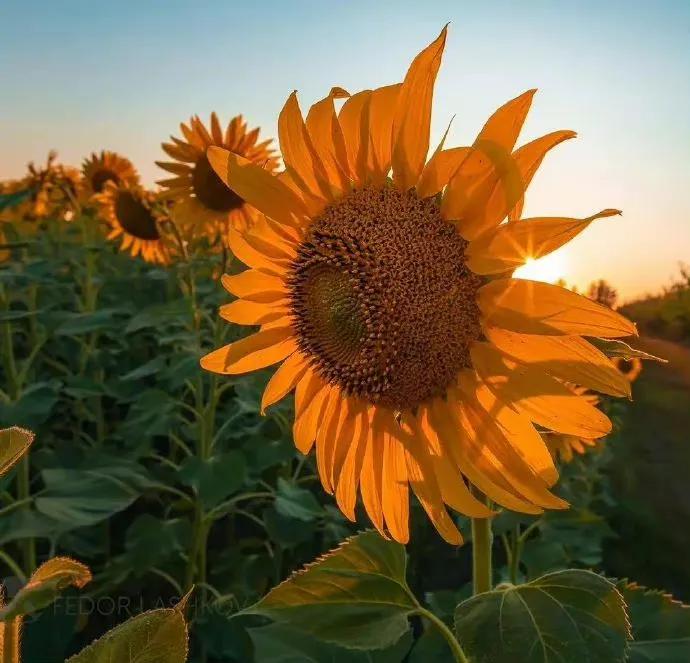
[382, 300]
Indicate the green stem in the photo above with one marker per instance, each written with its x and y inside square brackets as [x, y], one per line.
[11, 641]
[458, 655]
[515, 554]
[482, 538]
[12, 566]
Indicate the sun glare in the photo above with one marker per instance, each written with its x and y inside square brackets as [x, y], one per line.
[549, 269]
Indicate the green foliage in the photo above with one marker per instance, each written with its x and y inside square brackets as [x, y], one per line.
[355, 596]
[660, 625]
[159, 636]
[563, 617]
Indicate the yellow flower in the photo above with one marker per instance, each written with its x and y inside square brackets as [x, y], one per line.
[416, 359]
[128, 210]
[630, 368]
[99, 169]
[203, 203]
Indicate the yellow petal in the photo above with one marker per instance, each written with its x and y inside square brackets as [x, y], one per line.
[454, 491]
[243, 312]
[371, 477]
[381, 115]
[396, 499]
[327, 138]
[471, 458]
[284, 380]
[298, 153]
[520, 432]
[309, 397]
[250, 255]
[529, 157]
[503, 127]
[354, 122]
[329, 419]
[255, 286]
[569, 358]
[422, 478]
[546, 401]
[487, 431]
[532, 307]
[512, 244]
[440, 169]
[266, 347]
[348, 479]
[413, 115]
[257, 186]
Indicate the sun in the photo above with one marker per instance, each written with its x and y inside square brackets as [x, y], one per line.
[551, 268]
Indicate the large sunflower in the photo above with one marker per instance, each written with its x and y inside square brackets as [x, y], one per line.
[129, 211]
[630, 368]
[99, 169]
[418, 361]
[203, 203]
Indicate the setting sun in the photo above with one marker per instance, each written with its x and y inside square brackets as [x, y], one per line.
[549, 269]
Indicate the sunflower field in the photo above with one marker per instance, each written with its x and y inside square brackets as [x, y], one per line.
[293, 406]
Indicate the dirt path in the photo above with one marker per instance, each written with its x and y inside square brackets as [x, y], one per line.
[651, 474]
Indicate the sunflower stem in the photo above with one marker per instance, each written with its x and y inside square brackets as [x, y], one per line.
[482, 543]
[458, 654]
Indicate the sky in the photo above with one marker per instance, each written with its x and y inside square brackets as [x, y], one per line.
[81, 76]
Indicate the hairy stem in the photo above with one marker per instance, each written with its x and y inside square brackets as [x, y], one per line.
[454, 646]
[482, 539]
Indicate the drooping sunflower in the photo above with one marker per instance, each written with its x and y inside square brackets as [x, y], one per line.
[417, 360]
[204, 205]
[99, 169]
[630, 368]
[129, 211]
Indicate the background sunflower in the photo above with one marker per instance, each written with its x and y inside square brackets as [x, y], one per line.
[204, 206]
[129, 211]
[99, 169]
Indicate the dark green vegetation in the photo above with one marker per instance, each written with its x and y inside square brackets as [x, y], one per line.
[158, 476]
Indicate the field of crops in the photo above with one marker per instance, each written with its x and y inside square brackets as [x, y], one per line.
[458, 475]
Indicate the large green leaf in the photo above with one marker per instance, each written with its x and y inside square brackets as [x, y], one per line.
[355, 596]
[216, 478]
[280, 644]
[45, 585]
[565, 617]
[78, 498]
[159, 636]
[14, 443]
[660, 625]
[296, 502]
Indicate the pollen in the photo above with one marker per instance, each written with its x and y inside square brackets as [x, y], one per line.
[382, 300]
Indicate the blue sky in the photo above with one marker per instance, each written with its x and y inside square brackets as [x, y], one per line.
[78, 76]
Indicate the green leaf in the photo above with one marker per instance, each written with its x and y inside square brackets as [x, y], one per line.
[14, 443]
[160, 314]
[86, 323]
[159, 636]
[660, 625]
[280, 644]
[45, 585]
[78, 498]
[296, 502]
[145, 370]
[565, 617]
[355, 596]
[216, 478]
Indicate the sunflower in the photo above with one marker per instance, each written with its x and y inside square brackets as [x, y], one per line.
[203, 203]
[99, 169]
[129, 211]
[417, 360]
[630, 368]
